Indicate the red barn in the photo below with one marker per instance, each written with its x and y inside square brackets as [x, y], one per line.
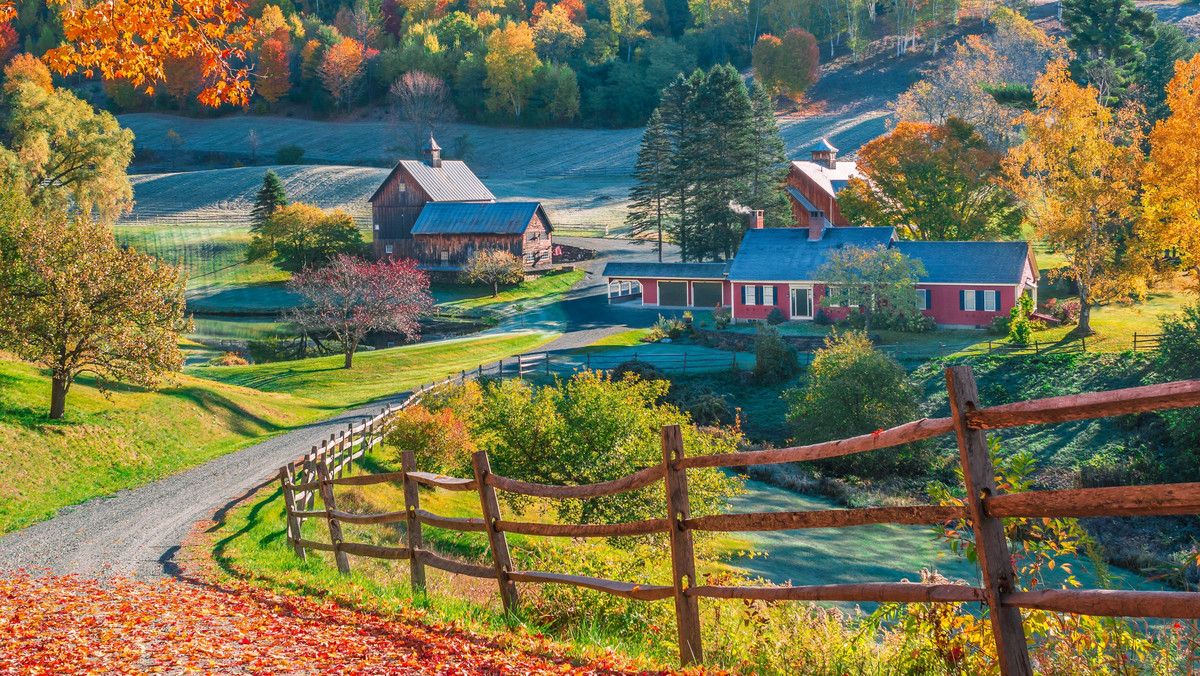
[812, 187]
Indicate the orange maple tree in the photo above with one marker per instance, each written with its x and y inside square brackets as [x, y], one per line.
[274, 75]
[132, 39]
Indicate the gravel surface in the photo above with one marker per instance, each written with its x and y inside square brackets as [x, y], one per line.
[138, 531]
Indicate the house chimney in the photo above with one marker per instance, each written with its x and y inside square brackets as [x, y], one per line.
[433, 152]
[824, 153]
[816, 228]
[756, 219]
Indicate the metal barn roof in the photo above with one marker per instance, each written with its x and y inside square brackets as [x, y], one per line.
[470, 218]
[453, 181]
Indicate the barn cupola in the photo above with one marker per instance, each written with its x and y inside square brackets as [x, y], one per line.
[824, 153]
[433, 152]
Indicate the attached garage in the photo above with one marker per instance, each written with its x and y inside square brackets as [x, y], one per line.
[673, 294]
[707, 294]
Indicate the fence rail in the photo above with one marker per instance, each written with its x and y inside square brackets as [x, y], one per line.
[983, 510]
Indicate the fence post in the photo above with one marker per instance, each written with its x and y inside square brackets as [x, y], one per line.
[683, 561]
[1083, 342]
[310, 474]
[991, 548]
[589, 361]
[685, 363]
[496, 538]
[547, 362]
[287, 477]
[1036, 349]
[412, 502]
[462, 378]
[335, 527]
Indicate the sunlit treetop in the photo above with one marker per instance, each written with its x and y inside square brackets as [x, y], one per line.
[130, 39]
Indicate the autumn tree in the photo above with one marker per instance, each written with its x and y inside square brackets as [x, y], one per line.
[299, 236]
[935, 182]
[627, 18]
[342, 69]
[420, 104]
[75, 302]
[274, 71]
[494, 267]
[133, 39]
[1172, 176]
[59, 150]
[1077, 176]
[349, 298]
[555, 36]
[9, 42]
[510, 61]
[789, 65]
[879, 281]
[183, 77]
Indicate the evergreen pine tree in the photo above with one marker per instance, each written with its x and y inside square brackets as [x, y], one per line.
[270, 197]
[677, 122]
[770, 161]
[1109, 38]
[1170, 45]
[721, 153]
[648, 196]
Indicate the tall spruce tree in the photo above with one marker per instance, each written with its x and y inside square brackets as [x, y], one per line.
[1170, 45]
[1109, 38]
[674, 108]
[770, 161]
[720, 151]
[649, 195]
[271, 196]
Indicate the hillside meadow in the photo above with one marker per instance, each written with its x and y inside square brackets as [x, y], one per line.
[134, 436]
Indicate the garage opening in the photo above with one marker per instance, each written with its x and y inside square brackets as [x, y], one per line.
[673, 294]
[706, 294]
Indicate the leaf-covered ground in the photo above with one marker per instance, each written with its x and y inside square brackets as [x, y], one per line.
[78, 625]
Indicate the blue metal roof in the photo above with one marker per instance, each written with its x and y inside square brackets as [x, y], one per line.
[462, 218]
[654, 270]
[787, 255]
[968, 262]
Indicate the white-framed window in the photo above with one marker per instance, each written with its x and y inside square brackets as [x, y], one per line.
[377, 226]
[403, 187]
[922, 299]
[768, 295]
[387, 248]
[990, 300]
[749, 295]
[445, 256]
[968, 300]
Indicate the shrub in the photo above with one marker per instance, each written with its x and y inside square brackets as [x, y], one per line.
[999, 326]
[855, 389]
[822, 318]
[775, 316]
[1178, 358]
[1020, 326]
[643, 370]
[705, 406]
[289, 154]
[1066, 312]
[665, 327]
[440, 441]
[774, 360]
[228, 359]
[721, 317]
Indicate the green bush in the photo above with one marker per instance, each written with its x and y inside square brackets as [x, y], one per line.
[642, 369]
[1020, 326]
[775, 316]
[1178, 358]
[774, 360]
[854, 389]
[289, 154]
[721, 317]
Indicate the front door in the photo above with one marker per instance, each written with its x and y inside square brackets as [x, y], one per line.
[802, 303]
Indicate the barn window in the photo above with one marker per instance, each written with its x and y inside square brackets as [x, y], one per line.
[445, 256]
[403, 187]
[387, 248]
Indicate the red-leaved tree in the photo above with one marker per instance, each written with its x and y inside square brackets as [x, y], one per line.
[350, 298]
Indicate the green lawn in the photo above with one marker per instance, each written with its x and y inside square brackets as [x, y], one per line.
[532, 292]
[136, 436]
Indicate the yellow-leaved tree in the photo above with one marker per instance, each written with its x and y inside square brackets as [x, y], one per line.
[1172, 176]
[510, 62]
[1078, 176]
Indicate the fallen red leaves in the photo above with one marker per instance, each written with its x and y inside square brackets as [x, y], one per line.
[78, 625]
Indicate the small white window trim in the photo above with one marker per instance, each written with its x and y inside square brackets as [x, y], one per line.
[922, 299]
[751, 293]
[769, 294]
[989, 301]
[969, 300]
[387, 248]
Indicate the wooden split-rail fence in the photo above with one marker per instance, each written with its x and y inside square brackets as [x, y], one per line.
[984, 509]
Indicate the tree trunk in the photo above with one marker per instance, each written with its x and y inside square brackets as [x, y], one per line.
[1085, 319]
[350, 356]
[495, 289]
[59, 385]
